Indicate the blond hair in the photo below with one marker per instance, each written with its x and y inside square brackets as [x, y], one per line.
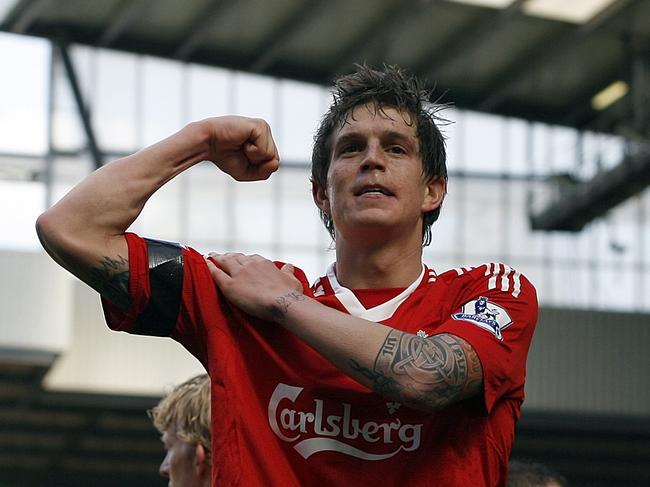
[187, 408]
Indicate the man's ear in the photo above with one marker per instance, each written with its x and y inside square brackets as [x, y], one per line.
[201, 464]
[320, 197]
[434, 193]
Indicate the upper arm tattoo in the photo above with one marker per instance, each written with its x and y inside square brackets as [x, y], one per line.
[425, 373]
[110, 277]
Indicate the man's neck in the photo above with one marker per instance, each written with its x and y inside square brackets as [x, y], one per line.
[386, 266]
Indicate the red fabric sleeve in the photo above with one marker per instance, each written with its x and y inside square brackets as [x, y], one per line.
[139, 290]
[502, 353]
[203, 309]
[200, 304]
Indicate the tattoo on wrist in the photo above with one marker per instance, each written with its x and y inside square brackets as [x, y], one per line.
[284, 302]
[111, 279]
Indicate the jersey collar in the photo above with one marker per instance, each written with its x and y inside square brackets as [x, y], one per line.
[354, 306]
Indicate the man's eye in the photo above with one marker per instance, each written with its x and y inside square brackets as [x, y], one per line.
[350, 148]
[396, 149]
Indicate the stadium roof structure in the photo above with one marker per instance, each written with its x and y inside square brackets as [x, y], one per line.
[522, 58]
[583, 64]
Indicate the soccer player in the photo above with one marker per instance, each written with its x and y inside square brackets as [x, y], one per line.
[382, 372]
[183, 419]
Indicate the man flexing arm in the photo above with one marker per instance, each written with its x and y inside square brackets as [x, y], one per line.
[379, 178]
[84, 232]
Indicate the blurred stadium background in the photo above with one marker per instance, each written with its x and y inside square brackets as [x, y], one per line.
[549, 161]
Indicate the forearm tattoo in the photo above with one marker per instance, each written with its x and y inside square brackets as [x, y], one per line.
[425, 373]
[111, 279]
[284, 302]
[382, 384]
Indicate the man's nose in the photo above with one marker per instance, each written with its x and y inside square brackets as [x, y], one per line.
[374, 158]
[164, 468]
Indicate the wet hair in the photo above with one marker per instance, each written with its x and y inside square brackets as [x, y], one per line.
[187, 408]
[387, 88]
[524, 473]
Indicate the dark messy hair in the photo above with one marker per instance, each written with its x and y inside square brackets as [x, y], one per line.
[387, 88]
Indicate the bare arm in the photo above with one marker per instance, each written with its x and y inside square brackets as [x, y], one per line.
[84, 232]
[430, 372]
[424, 373]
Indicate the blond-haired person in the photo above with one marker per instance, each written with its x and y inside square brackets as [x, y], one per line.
[183, 419]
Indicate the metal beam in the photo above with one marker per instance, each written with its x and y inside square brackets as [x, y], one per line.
[200, 28]
[81, 107]
[640, 94]
[580, 204]
[429, 51]
[275, 42]
[541, 53]
[48, 173]
[13, 13]
[613, 120]
[581, 112]
[375, 32]
[631, 111]
[24, 14]
[471, 35]
[122, 17]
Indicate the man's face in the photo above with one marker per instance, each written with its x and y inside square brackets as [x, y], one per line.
[179, 464]
[374, 181]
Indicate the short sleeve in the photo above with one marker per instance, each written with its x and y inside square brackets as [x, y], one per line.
[139, 290]
[172, 294]
[494, 309]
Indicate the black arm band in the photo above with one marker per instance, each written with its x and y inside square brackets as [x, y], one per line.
[166, 282]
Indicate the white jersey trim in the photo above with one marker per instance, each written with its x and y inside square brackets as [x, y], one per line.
[493, 269]
[354, 306]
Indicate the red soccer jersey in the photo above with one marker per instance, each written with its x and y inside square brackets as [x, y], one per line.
[282, 415]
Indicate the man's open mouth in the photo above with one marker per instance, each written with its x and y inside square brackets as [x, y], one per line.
[373, 190]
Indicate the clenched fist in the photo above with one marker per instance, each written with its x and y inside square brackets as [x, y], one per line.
[242, 147]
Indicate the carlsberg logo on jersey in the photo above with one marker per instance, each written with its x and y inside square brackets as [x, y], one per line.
[311, 431]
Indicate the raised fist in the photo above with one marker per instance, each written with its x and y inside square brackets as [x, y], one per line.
[242, 147]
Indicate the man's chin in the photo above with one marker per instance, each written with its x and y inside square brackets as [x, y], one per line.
[367, 228]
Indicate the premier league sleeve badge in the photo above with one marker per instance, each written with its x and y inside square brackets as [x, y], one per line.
[485, 314]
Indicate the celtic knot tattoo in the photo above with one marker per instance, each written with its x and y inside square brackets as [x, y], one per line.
[425, 373]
